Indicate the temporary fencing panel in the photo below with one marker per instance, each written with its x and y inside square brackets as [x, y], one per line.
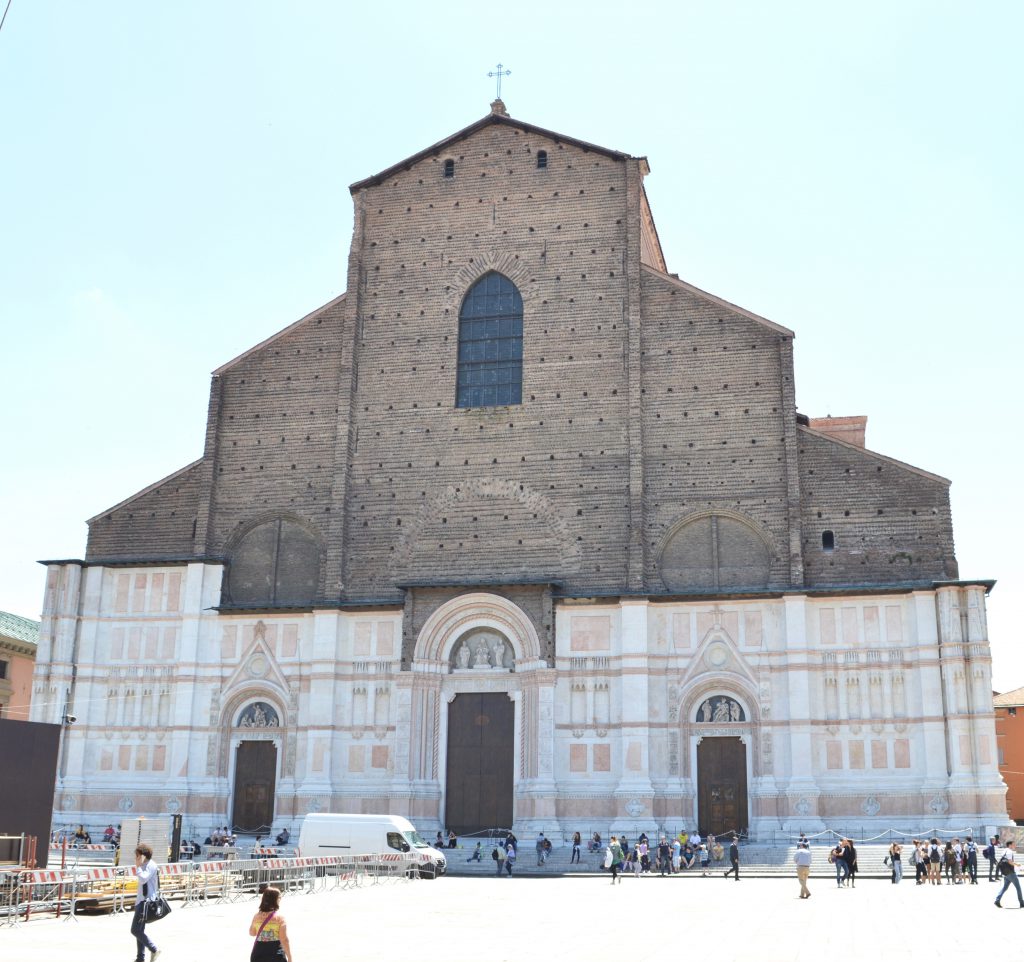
[53, 891]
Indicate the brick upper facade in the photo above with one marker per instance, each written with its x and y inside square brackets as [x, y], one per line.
[646, 403]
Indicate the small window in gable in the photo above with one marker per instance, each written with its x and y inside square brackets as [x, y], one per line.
[828, 541]
[449, 168]
[542, 159]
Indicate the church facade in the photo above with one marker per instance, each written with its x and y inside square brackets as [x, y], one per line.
[523, 530]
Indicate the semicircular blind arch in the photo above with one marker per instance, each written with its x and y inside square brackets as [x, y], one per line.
[490, 369]
[277, 563]
[715, 552]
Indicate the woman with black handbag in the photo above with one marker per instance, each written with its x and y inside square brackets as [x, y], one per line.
[269, 927]
[147, 876]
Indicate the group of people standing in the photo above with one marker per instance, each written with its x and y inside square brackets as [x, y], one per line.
[504, 855]
[667, 857]
[931, 858]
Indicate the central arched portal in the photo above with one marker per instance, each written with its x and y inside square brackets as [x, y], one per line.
[481, 758]
[487, 695]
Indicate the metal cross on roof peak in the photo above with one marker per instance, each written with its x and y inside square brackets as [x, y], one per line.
[499, 73]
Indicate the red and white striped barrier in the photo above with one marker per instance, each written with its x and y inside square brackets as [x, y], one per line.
[57, 891]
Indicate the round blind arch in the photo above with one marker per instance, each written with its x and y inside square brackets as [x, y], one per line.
[276, 563]
[716, 552]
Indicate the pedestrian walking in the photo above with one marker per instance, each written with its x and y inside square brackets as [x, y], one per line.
[576, 842]
[934, 863]
[705, 859]
[802, 859]
[510, 857]
[896, 862]
[499, 859]
[734, 859]
[990, 854]
[836, 858]
[147, 877]
[664, 857]
[1008, 869]
[613, 859]
[540, 848]
[971, 859]
[850, 858]
[270, 929]
[918, 860]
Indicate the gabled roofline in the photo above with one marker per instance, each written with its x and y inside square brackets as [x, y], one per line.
[273, 337]
[146, 490]
[672, 279]
[473, 128]
[1009, 699]
[874, 454]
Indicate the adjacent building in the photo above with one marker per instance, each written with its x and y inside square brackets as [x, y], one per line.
[1009, 708]
[524, 529]
[19, 638]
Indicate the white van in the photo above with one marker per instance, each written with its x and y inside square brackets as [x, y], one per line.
[329, 834]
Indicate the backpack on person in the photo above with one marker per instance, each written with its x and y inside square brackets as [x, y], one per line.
[989, 851]
[494, 854]
[1005, 866]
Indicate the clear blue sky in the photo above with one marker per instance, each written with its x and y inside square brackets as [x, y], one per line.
[175, 178]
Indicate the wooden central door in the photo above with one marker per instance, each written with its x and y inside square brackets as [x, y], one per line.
[255, 781]
[478, 785]
[721, 786]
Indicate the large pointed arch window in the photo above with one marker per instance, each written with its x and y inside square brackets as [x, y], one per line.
[490, 344]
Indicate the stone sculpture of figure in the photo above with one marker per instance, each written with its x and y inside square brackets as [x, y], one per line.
[259, 717]
[245, 721]
[498, 652]
[481, 658]
[721, 710]
[705, 711]
[463, 655]
[734, 711]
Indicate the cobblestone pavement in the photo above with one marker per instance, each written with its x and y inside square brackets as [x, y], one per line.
[574, 919]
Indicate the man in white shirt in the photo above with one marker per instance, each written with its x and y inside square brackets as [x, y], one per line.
[147, 876]
[802, 858]
[1008, 867]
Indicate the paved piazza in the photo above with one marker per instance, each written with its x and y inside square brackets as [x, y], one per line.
[568, 919]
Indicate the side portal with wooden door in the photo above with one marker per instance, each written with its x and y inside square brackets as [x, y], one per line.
[255, 785]
[721, 786]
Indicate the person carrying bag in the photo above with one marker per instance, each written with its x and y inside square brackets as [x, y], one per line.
[268, 925]
[148, 894]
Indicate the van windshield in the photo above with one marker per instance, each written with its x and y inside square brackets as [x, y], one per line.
[414, 839]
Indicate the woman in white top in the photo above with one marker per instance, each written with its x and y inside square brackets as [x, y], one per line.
[148, 877]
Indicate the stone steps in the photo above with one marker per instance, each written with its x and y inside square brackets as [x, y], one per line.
[755, 861]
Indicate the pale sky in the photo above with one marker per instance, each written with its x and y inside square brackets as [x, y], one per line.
[175, 189]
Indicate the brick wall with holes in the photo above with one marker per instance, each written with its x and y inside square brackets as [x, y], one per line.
[347, 420]
[713, 418]
[532, 491]
[889, 522]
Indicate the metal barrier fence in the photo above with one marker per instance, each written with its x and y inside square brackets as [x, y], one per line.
[64, 893]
